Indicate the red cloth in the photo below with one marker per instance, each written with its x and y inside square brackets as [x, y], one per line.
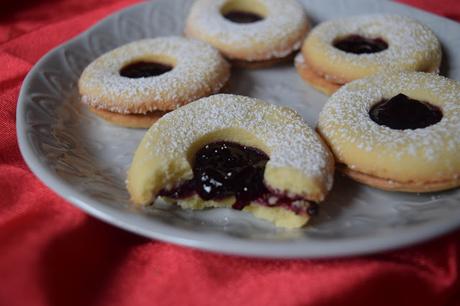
[51, 253]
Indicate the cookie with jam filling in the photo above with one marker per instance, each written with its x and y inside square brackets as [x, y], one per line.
[339, 51]
[234, 152]
[137, 83]
[250, 33]
[396, 131]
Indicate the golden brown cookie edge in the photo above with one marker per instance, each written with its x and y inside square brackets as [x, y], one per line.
[316, 80]
[391, 185]
[129, 120]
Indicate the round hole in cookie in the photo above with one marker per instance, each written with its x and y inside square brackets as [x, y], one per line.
[358, 44]
[403, 113]
[243, 11]
[144, 69]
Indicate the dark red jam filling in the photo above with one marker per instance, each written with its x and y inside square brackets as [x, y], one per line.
[242, 17]
[358, 44]
[276, 199]
[144, 70]
[402, 113]
[226, 169]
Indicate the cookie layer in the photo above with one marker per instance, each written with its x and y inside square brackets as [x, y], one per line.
[391, 185]
[375, 153]
[313, 78]
[263, 64]
[139, 121]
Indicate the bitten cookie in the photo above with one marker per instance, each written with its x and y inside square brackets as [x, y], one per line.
[234, 151]
[137, 83]
[339, 51]
[397, 131]
[250, 33]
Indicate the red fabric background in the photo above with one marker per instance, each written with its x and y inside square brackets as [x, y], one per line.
[53, 254]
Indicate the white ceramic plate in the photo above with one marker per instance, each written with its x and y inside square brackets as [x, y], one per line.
[84, 159]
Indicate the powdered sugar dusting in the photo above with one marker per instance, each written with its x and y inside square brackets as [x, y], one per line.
[345, 118]
[280, 33]
[199, 70]
[292, 143]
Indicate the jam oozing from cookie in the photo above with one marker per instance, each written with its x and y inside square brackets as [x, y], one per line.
[402, 113]
[144, 70]
[227, 169]
[242, 17]
[358, 44]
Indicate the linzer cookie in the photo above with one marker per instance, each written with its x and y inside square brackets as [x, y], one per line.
[236, 152]
[251, 33]
[339, 51]
[135, 84]
[396, 131]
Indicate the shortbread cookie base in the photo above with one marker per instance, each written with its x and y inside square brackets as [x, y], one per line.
[262, 64]
[391, 185]
[279, 216]
[142, 121]
[314, 79]
[318, 80]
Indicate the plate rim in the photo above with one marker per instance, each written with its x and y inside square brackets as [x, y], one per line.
[171, 234]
